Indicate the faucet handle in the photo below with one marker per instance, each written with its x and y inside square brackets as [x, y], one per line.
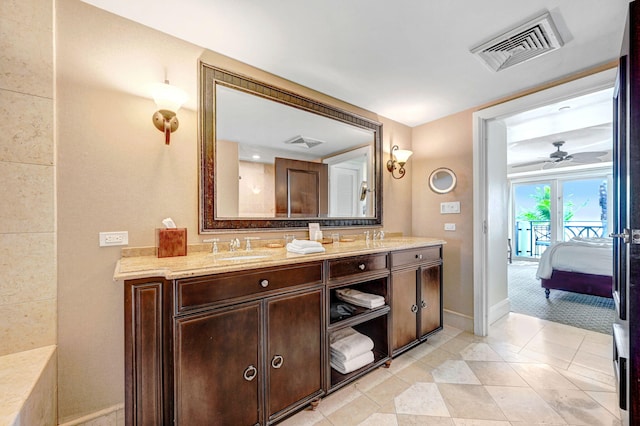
[248, 242]
[214, 247]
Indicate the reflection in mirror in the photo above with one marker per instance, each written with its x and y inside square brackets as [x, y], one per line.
[442, 180]
[272, 158]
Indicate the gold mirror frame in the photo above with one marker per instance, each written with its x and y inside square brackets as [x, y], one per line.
[210, 77]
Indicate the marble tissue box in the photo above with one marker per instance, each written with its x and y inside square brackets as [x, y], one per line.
[171, 242]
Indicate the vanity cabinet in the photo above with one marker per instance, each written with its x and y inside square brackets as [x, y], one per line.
[251, 346]
[416, 296]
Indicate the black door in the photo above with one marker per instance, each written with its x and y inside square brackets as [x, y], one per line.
[626, 175]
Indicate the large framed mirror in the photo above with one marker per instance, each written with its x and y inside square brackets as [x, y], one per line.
[271, 158]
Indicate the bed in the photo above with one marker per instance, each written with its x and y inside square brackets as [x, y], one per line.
[580, 265]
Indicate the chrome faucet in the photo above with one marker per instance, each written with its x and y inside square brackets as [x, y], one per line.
[234, 244]
[214, 246]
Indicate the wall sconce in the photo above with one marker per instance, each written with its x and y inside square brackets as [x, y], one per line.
[399, 157]
[169, 99]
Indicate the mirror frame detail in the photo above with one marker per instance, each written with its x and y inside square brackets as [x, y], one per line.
[211, 76]
[433, 177]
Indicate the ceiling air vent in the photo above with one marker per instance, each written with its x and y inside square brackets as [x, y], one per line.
[303, 141]
[529, 40]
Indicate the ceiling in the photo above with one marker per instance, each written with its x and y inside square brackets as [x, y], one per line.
[407, 60]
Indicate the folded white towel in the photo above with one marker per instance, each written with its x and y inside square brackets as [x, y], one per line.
[351, 365]
[360, 298]
[306, 244]
[347, 344]
[305, 250]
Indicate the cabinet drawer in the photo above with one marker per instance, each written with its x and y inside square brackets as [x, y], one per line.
[339, 268]
[195, 293]
[417, 255]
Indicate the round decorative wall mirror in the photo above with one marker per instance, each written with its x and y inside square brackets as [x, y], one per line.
[442, 180]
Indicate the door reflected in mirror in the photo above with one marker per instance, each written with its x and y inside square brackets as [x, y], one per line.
[442, 180]
[273, 158]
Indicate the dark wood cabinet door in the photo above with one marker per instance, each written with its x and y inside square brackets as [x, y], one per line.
[218, 374]
[430, 299]
[294, 349]
[404, 308]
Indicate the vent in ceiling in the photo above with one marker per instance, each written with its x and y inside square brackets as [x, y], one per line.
[303, 141]
[530, 40]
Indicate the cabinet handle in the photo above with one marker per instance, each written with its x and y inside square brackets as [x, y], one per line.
[277, 361]
[264, 283]
[418, 256]
[414, 308]
[250, 373]
[362, 266]
[424, 305]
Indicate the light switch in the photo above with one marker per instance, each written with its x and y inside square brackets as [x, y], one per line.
[449, 226]
[450, 207]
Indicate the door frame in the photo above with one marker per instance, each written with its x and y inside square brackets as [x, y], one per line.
[591, 83]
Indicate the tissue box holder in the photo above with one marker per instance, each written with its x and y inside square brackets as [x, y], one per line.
[171, 242]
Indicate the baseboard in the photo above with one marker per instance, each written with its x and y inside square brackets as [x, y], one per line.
[109, 416]
[458, 320]
[499, 310]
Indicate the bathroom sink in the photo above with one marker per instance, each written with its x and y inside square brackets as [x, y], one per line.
[236, 256]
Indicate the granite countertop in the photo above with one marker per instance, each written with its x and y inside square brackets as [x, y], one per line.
[199, 263]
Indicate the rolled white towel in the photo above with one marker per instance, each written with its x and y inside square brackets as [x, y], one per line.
[347, 344]
[353, 364]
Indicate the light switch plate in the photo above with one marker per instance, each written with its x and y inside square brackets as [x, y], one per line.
[449, 226]
[450, 207]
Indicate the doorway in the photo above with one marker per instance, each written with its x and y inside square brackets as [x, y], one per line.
[491, 219]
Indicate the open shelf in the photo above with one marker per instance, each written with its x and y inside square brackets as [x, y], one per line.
[376, 286]
[376, 328]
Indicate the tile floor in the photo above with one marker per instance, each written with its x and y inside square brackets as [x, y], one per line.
[527, 372]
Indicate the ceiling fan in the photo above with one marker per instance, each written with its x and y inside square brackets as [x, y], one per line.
[558, 156]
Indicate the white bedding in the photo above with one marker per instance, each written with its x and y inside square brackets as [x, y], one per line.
[586, 255]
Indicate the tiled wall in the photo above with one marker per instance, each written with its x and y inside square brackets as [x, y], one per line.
[27, 173]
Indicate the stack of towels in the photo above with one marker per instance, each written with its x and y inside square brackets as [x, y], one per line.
[305, 247]
[358, 298]
[349, 350]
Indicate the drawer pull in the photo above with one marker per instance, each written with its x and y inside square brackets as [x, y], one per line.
[277, 361]
[362, 266]
[250, 373]
[414, 308]
[418, 256]
[264, 283]
[424, 305]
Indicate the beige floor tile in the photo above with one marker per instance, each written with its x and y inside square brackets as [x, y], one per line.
[372, 379]
[411, 420]
[608, 400]
[578, 408]
[422, 399]
[602, 364]
[378, 419]
[523, 405]
[306, 417]
[454, 371]
[420, 351]
[541, 345]
[388, 408]
[480, 352]
[455, 345]
[542, 357]
[416, 372]
[355, 413]
[496, 373]
[586, 383]
[476, 422]
[602, 349]
[387, 390]
[542, 376]
[437, 357]
[470, 402]
[400, 363]
[606, 378]
[338, 399]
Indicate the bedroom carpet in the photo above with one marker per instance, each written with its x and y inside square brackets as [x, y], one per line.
[580, 310]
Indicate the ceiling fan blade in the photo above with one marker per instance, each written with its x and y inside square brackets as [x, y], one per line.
[588, 156]
[530, 163]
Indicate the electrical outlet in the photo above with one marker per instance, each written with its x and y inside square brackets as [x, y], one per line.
[118, 238]
[449, 226]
